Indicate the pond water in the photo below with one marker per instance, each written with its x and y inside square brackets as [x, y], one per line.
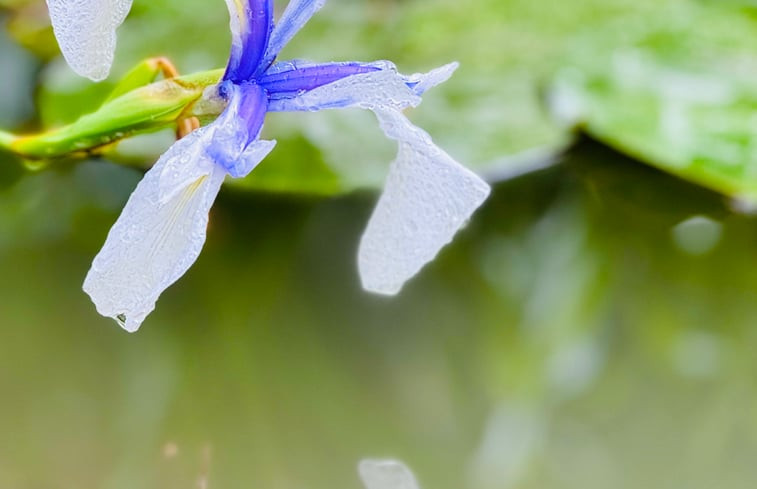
[594, 326]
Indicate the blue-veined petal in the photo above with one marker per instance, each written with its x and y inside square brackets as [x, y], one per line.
[159, 234]
[86, 33]
[427, 198]
[386, 474]
[296, 15]
[292, 78]
[235, 145]
[251, 26]
[385, 88]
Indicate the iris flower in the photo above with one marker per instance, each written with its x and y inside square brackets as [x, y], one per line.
[428, 196]
[86, 33]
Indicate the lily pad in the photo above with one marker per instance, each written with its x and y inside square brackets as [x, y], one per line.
[677, 92]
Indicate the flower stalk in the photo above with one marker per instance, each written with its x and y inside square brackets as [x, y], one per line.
[143, 109]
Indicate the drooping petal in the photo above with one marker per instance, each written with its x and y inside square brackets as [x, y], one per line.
[296, 15]
[292, 78]
[251, 25]
[159, 234]
[386, 474]
[86, 33]
[427, 198]
[235, 145]
[384, 87]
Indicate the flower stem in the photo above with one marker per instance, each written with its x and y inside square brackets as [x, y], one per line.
[144, 109]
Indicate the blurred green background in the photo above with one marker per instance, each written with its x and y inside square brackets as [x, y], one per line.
[594, 326]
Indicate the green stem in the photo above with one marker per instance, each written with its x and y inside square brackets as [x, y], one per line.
[6, 140]
[144, 109]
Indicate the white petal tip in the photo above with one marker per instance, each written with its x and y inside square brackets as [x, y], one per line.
[101, 292]
[98, 75]
[370, 284]
[131, 321]
[386, 474]
[96, 67]
[449, 69]
[126, 323]
[86, 33]
[122, 321]
[434, 77]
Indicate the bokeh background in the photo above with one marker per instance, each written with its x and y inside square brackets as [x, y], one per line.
[594, 326]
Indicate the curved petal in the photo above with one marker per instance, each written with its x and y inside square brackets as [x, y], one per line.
[384, 88]
[296, 15]
[252, 155]
[159, 234]
[86, 33]
[235, 145]
[386, 474]
[427, 198]
[251, 25]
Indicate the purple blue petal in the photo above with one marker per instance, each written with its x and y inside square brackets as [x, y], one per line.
[251, 26]
[289, 79]
[296, 15]
[384, 87]
[238, 126]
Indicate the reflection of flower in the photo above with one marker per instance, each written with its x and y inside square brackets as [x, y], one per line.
[427, 198]
[386, 474]
[86, 32]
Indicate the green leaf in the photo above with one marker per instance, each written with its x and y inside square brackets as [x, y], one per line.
[678, 92]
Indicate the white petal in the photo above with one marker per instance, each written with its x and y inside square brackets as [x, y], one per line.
[86, 33]
[237, 16]
[175, 173]
[427, 198]
[156, 239]
[386, 474]
[253, 154]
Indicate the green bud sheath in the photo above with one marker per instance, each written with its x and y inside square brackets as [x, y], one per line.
[144, 109]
